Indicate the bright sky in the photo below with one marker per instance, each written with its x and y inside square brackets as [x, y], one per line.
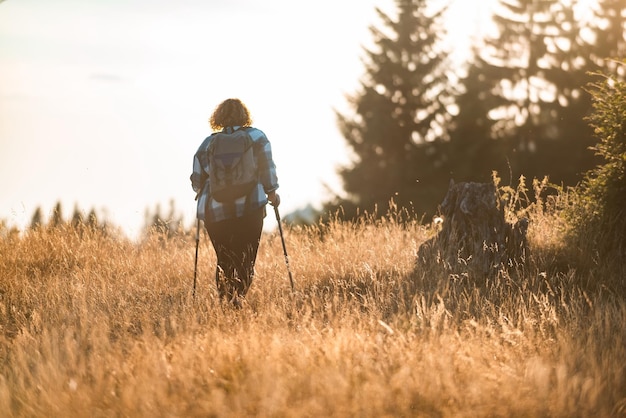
[104, 102]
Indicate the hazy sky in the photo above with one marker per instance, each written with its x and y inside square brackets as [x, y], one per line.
[104, 102]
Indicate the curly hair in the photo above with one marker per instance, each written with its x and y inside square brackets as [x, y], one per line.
[231, 112]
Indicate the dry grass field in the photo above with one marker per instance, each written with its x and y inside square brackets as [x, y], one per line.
[93, 325]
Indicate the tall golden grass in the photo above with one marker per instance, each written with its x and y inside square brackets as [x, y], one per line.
[94, 325]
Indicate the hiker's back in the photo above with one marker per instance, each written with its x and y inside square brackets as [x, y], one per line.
[234, 177]
[233, 171]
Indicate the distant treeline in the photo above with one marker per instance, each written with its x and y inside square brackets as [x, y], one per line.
[155, 221]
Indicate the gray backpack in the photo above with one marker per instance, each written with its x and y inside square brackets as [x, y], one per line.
[233, 170]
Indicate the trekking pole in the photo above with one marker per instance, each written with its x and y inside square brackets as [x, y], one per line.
[282, 238]
[195, 264]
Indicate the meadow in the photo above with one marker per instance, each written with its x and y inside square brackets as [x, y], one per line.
[94, 325]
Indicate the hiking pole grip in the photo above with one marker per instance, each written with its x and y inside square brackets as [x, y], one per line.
[195, 264]
[282, 239]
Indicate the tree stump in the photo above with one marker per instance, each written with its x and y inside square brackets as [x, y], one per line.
[475, 235]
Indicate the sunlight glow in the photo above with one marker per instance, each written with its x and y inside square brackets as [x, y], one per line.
[102, 104]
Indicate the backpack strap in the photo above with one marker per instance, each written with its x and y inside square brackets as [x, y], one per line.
[233, 129]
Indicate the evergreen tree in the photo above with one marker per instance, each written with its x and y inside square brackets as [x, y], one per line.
[158, 224]
[174, 221]
[57, 216]
[37, 219]
[170, 226]
[77, 218]
[608, 25]
[92, 220]
[401, 115]
[475, 152]
[530, 77]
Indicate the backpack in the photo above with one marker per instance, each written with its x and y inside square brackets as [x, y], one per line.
[232, 167]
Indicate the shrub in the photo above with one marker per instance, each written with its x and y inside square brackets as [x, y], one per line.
[598, 213]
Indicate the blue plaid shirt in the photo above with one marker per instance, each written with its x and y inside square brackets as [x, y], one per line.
[210, 210]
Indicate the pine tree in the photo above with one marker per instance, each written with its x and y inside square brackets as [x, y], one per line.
[77, 218]
[37, 219]
[533, 73]
[401, 114]
[474, 151]
[608, 25]
[57, 216]
[92, 220]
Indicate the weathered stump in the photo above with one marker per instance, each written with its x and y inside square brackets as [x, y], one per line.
[475, 235]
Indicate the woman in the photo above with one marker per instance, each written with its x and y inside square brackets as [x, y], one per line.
[234, 227]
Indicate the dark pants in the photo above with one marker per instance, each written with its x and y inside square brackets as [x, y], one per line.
[236, 242]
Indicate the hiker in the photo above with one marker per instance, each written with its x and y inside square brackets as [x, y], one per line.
[232, 187]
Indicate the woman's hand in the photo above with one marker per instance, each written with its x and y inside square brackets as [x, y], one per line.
[273, 198]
